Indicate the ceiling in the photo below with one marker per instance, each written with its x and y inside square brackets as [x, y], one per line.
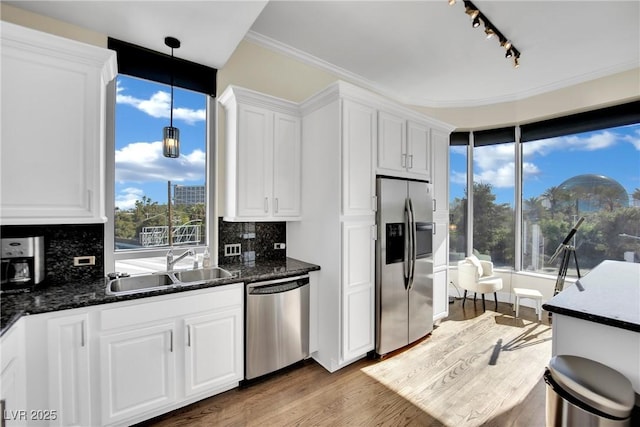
[418, 52]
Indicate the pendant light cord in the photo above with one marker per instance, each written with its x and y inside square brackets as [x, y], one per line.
[171, 112]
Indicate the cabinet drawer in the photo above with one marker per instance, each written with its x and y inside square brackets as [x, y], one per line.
[158, 308]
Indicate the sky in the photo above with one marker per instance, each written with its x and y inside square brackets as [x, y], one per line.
[614, 153]
[142, 111]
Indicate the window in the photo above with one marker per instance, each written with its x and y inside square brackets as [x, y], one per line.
[595, 175]
[157, 198]
[585, 165]
[493, 203]
[458, 202]
[156, 202]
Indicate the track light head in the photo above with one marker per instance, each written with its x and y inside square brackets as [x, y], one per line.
[490, 30]
[471, 10]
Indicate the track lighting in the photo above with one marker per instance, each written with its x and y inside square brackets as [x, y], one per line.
[490, 30]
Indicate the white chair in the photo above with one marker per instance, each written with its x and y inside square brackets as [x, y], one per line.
[477, 276]
[522, 293]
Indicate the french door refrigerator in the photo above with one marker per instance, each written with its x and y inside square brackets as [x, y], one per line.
[404, 263]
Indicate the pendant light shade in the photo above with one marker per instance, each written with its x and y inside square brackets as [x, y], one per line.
[171, 135]
[171, 142]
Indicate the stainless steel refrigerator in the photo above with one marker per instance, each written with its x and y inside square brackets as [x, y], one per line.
[404, 263]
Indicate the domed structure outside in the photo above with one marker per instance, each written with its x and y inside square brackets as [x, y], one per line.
[595, 192]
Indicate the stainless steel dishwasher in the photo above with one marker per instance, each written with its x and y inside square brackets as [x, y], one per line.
[277, 325]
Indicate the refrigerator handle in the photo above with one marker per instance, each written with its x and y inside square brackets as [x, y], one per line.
[406, 264]
[414, 249]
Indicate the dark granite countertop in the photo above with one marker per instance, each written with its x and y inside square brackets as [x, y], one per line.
[77, 295]
[611, 296]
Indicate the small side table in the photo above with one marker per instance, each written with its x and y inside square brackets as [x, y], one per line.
[522, 293]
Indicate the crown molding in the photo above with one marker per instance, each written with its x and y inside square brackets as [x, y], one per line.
[309, 59]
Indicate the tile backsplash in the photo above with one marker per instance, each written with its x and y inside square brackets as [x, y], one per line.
[256, 240]
[62, 243]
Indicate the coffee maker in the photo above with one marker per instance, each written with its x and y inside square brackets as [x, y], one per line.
[22, 263]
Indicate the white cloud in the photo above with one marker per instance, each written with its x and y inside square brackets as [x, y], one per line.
[128, 197]
[634, 139]
[143, 162]
[499, 177]
[495, 165]
[593, 142]
[159, 106]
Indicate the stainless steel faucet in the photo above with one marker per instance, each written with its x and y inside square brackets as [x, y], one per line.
[171, 261]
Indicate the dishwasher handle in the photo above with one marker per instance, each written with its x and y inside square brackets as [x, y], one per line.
[277, 287]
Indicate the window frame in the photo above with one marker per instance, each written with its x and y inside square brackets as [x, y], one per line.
[211, 235]
[594, 120]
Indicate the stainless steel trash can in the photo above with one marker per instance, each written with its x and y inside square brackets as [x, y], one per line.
[583, 393]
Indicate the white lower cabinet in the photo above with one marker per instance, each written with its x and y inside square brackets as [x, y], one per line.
[138, 371]
[12, 376]
[205, 366]
[160, 355]
[358, 284]
[125, 362]
[69, 370]
[440, 294]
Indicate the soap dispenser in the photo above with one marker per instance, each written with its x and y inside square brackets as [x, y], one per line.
[206, 258]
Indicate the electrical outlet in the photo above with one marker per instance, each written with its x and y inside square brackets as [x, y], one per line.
[279, 246]
[79, 261]
[232, 249]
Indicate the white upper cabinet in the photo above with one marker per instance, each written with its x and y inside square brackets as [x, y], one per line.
[53, 128]
[404, 147]
[419, 149]
[440, 146]
[262, 147]
[359, 135]
[392, 142]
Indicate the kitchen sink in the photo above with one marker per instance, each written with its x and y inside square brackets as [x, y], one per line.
[201, 275]
[158, 281]
[141, 283]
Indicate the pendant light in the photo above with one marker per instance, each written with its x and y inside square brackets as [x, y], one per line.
[171, 139]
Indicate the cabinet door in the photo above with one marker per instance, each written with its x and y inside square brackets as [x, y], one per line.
[441, 241]
[358, 281]
[286, 166]
[440, 145]
[440, 294]
[419, 149]
[52, 135]
[137, 371]
[214, 351]
[69, 371]
[255, 161]
[392, 154]
[358, 139]
[13, 376]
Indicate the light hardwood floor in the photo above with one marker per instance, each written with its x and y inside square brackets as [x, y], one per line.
[475, 369]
